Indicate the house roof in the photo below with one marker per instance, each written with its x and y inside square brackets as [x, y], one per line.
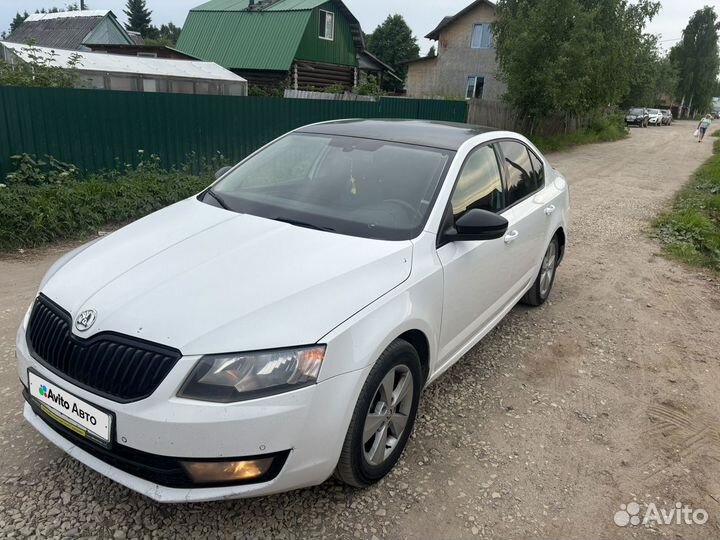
[64, 30]
[277, 5]
[265, 36]
[68, 15]
[134, 49]
[368, 61]
[117, 63]
[435, 34]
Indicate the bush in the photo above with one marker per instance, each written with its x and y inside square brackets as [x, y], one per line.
[603, 128]
[32, 215]
[32, 171]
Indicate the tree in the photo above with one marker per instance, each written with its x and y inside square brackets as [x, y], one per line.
[139, 18]
[18, 20]
[697, 60]
[654, 77]
[432, 53]
[569, 56]
[167, 35]
[393, 43]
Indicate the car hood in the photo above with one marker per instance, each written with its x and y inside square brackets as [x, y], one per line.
[206, 280]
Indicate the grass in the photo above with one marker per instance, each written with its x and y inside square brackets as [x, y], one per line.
[690, 230]
[600, 132]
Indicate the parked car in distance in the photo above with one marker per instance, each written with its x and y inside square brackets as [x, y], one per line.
[667, 117]
[280, 327]
[637, 117]
[655, 117]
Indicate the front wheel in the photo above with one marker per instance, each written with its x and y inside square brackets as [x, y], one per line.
[384, 417]
[540, 291]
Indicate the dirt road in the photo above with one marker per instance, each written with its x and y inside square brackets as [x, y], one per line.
[607, 395]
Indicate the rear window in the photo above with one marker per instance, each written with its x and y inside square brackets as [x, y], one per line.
[522, 179]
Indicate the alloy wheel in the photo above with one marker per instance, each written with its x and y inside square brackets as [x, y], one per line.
[547, 272]
[388, 415]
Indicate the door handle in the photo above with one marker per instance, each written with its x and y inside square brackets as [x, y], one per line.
[511, 237]
[549, 210]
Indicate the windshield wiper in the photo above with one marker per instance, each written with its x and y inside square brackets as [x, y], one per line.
[304, 224]
[219, 199]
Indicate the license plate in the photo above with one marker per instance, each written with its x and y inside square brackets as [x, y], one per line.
[70, 411]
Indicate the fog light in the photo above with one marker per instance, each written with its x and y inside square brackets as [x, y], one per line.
[215, 472]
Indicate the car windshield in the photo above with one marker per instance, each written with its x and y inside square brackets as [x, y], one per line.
[636, 111]
[360, 187]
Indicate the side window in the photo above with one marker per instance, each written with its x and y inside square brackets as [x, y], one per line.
[479, 184]
[538, 167]
[522, 179]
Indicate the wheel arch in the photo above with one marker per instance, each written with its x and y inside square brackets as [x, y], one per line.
[560, 233]
[421, 344]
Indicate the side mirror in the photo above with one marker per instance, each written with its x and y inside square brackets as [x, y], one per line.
[221, 172]
[477, 224]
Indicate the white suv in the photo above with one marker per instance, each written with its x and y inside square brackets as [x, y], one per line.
[281, 326]
[656, 117]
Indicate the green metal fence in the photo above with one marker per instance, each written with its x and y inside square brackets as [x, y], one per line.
[98, 130]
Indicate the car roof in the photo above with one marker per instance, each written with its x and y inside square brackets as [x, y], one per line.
[445, 135]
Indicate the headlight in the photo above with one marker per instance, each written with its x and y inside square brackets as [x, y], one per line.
[228, 378]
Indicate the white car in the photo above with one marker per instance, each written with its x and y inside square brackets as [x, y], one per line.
[656, 117]
[280, 327]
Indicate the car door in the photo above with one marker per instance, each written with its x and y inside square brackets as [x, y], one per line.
[477, 283]
[529, 209]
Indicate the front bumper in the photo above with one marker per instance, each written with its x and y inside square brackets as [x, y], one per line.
[306, 428]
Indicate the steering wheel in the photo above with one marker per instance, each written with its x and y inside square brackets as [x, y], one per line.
[406, 205]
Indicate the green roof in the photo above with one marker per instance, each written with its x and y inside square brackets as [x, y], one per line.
[265, 37]
[279, 5]
[247, 40]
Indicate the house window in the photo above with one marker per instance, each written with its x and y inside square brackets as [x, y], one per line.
[482, 37]
[149, 85]
[475, 87]
[327, 25]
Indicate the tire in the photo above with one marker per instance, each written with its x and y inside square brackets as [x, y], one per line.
[364, 462]
[540, 290]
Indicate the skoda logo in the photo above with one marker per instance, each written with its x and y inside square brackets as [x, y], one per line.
[85, 320]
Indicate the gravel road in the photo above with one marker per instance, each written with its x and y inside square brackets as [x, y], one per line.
[606, 395]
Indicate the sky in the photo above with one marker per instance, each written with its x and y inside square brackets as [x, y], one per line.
[421, 15]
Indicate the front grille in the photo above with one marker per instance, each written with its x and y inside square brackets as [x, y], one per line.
[114, 366]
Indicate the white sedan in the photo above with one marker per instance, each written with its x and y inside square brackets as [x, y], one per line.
[280, 327]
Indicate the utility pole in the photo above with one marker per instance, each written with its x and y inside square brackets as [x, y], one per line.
[82, 5]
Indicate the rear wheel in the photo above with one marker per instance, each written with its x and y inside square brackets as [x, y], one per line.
[384, 417]
[540, 291]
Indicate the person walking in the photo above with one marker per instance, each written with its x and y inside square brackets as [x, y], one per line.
[703, 127]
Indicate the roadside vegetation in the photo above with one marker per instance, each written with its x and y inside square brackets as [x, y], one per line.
[46, 200]
[690, 231]
[602, 129]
